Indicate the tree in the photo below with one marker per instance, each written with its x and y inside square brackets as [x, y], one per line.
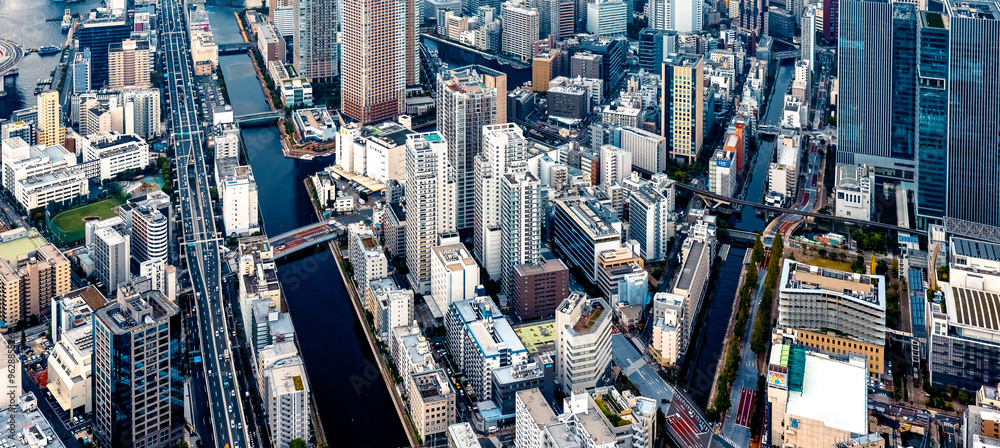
[297, 443]
[758, 251]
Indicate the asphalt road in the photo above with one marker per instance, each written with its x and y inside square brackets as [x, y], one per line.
[201, 245]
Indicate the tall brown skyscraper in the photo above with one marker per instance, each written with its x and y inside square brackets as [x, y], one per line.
[412, 57]
[374, 63]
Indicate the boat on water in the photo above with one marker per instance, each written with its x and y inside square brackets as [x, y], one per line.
[49, 49]
[67, 20]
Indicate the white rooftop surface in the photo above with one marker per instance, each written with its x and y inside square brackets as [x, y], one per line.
[833, 392]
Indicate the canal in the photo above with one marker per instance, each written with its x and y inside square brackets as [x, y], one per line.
[748, 219]
[354, 404]
[456, 56]
[712, 330]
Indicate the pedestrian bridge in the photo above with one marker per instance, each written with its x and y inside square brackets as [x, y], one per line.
[258, 118]
[791, 54]
[304, 237]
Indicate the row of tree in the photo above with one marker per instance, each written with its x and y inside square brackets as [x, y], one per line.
[722, 400]
[762, 325]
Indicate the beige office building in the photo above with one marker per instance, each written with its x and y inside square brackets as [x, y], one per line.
[432, 402]
[683, 106]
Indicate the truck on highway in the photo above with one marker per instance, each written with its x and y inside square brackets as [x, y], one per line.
[227, 355]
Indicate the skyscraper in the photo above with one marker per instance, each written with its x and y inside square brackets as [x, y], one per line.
[973, 208]
[138, 389]
[683, 105]
[876, 107]
[465, 104]
[374, 62]
[932, 118]
[606, 18]
[315, 32]
[430, 203]
[49, 123]
[505, 151]
[97, 32]
[520, 225]
[128, 61]
[520, 29]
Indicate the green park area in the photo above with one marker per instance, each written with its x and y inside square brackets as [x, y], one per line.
[71, 222]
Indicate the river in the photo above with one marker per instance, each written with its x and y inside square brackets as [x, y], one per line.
[748, 219]
[354, 403]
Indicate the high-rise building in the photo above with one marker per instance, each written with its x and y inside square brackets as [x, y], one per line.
[583, 342]
[831, 11]
[520, 225]
[684, 107]
[504, 151]
[520, 29]
[651, 220]
[284, 14]
[582, 227]
[430, 203]
[606, 18]
[109, 245]
[315, 32]
[808, 28]
[649, 150]
[539, 288]
[972, 97]
[79, 71]
[465, 104]
[128, 63]
[932, 118]
[876, 106]
[654, 46]
[287, 397]
[97, 32]
[32, 273]
[685, 16]
[374, 61]
[238, 194]
[142, 112]
[49, 122]
[616, 165]
[138, 402]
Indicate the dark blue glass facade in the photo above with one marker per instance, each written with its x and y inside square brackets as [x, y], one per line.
[932, 117]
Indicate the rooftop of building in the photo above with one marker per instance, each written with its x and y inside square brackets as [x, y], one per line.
[455, 257]
[431, 383]
[542, 267]
[537, 336]
[539, 409]
[24, 244]
[129, 312]
[692, 263]
[975, 249]
[590, 215]
[825, 389]
[82, 302]
[976, 9]
[868, 290]
[31, 427]
[972, 308]
[683, 60]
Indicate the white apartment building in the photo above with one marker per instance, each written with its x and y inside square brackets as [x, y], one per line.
[390, 306]
[142, 112]
[411, 352]
[583, 342]
[649, 150]
[697, 253]
[783, 176]
[225, 139]
[531, 416]
[70, 370]
[238, 194]
[616, 164]
[461, 435]
[520, 219]
[668, 316]
[454, 276]
[110, 154]
[162, 277]
[204, 52]
[367, 258]
[815, 298]
[854, 191]
[504, 150]
[607, 18]
[585, 423]
[111, 251]
[722, 173]
[520, 29]
[430, 203]
[652, 220]
[149, 227]
[480, 340]
[287, 396]
[37, 175]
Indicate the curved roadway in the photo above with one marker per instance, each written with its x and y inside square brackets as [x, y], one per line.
[10, 55]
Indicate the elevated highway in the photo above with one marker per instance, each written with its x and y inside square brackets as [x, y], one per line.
[200, 243]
